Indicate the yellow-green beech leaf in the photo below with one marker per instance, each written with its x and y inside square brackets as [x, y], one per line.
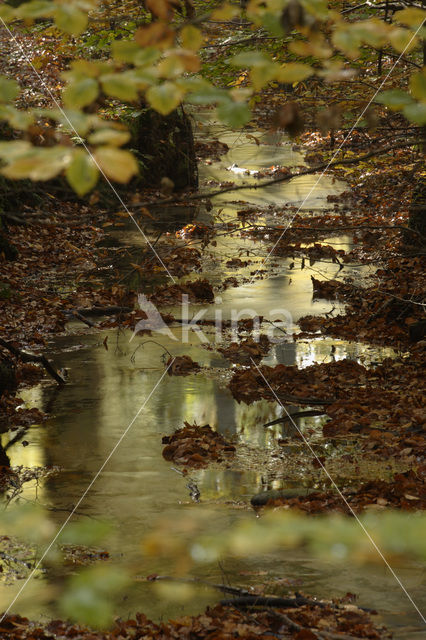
[225, 12]
[116, 164]
[144, 77]
[130, 51]
[165, 97]
[416, 112]
[394, 99]
[192, 38]
[190, 60]
[294, 72]
[36, 9]
[347, 40]
[402, 40]
[87, 68]
[9, 89]
[17, 119]
[80, 93]
[418, 85]
[250, 59]
[171, 67]
[7, 13]
[73, 121]
[10, 150]
[373, 32]
[109, 136]
[70, 19]
[124, 50]
[41, 164]
[318, 48]
[260, 75]
[234, 114]
[120, 85]
[82, 173]
[412, 17]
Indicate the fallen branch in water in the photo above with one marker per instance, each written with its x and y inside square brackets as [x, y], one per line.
[101, 311]
[79, 316]
[294, 416]
[32, 357]
[220, 587]
[249, 601]
[290, 399]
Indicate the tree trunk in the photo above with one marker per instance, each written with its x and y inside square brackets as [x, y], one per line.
[165, 148]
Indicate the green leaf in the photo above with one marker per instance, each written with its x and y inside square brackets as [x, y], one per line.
[9, 89]
[74, 121]
[294, 72]
[89, 594]
[416, 112]
[82, 175]
[412, 17]
[86, 68]
[17, 119]
[120, 85]
[70, 19]
[36, 9]
[85, 532]
[80, 93]
[272, 23]
[347, 40]
[192, 38]
[250, 58]
[9, 150]
[234, 114]
[124, 50]
[7, 13]
[418, 85]
[146, 57]
[402, 40]
[113, 137]
[260, 75]
[318, 8]
[116, 164]
[39, 164]
[201, 91]
[394, 99]
[165, 97]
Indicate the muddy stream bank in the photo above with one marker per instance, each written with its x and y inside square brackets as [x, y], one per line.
[108, 387]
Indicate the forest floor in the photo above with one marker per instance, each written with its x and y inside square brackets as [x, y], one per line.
[60, 273]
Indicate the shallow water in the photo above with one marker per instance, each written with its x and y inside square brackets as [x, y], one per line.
[109, 387]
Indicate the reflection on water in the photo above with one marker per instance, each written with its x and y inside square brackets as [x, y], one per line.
[274, 150]
[89, 415]
[108, 388]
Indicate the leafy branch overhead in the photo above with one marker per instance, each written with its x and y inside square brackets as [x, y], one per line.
[159, 63]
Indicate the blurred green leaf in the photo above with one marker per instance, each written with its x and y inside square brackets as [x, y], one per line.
[82, 175]
[234, 114]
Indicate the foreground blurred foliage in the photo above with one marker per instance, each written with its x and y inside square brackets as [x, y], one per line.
[88, 596]
[158, 60]
[398, 535]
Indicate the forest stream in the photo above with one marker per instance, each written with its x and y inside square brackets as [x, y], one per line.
[108, 386]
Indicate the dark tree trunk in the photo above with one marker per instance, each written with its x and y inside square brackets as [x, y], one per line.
[165, 146]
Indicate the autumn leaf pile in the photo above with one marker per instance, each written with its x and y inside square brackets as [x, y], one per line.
[222, 623]
[195, 446]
